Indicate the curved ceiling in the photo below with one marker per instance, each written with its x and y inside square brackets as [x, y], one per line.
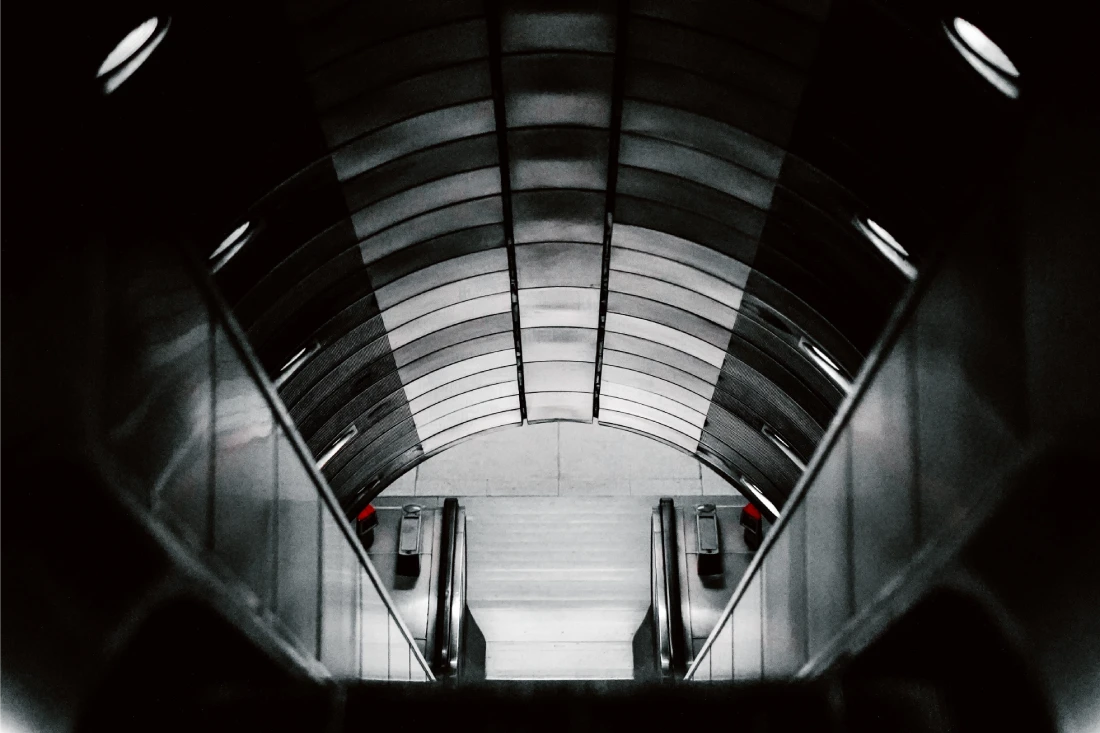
[566, 211]
[467, 214]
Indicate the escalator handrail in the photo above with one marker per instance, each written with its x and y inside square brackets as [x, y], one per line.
[660, 598]
[458, 602]
[441, 655]
[670, 559]
[221, 312]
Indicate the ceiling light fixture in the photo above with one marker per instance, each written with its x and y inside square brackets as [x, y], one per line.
[887, 245]
[758, 495]
[825, 363]
[231, 245]
[131, 52]
[295, 363]
[783, 446]
[337, 445]
[984, 55]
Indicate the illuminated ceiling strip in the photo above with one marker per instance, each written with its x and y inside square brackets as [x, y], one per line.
[337, 445]
[825, 363]
[888, 246]
[984, 56]
[757, 495]
[295, 363]
[231, 245]
[784, 446]
[117, 68]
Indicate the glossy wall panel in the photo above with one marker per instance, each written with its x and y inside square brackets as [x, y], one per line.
[244, 472]
[298, 571]
[159, 392]
[785, 600]
[748, 633]
[883, 516]
[339, 601]
[828, 547]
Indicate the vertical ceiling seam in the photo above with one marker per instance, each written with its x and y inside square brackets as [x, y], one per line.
[618, 84]
[496, 81]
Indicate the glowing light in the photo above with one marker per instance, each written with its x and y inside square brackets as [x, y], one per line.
[887, 245]
[825, 363]
[230, 246]
[131, 52]
[984, 55]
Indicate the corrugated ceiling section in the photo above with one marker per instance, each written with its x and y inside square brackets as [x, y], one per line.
[388, 263]
[556, 68]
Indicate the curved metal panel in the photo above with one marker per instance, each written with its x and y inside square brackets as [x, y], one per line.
[558, 28]
[674, 295]
[448, 316]
[369, 69]
[654, 400]
[703, 133]
[683, 251]
[558, 215]
[764, 26]
[574, 406]
[657, 333]
[664, 354]
[452, 335]
[481, 424]
[548, 264]
[439, 274]
[426, 197]
[458, 370]
[436, 163]
[443, 296]
[436, 250]
[648, 427]
[464, 401]
[481, 409]
[559, 376]
[557, 89]
[648, 368]
[732, 64]
[434, 223]
[740, 183]
[670, 316]
[558, 158]
[416, 133]
[349, 26]
[461, 385]
[631, 379]
[652, 414]
[408, 98]
[547, 307]
[641, 263]
[459, 352]
[559, 344]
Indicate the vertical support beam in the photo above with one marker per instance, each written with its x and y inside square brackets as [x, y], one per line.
[496, 79]
[618, 82]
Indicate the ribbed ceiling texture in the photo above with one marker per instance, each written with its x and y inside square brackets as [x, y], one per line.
[641, 212]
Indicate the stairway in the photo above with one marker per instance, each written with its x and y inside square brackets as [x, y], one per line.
[557, 585]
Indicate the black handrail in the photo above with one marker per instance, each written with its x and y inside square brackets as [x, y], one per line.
[669, 547]
[442, 662]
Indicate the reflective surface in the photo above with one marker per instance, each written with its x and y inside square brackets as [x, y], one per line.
[491, 156]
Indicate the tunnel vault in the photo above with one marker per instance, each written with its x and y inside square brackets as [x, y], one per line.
[567, 211]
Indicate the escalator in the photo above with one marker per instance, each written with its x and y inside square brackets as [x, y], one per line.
[699, 554]
[419, 551]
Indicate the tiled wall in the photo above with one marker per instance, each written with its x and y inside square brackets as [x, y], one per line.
[561, 459]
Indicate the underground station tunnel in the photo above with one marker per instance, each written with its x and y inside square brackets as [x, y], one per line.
[551, 365]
